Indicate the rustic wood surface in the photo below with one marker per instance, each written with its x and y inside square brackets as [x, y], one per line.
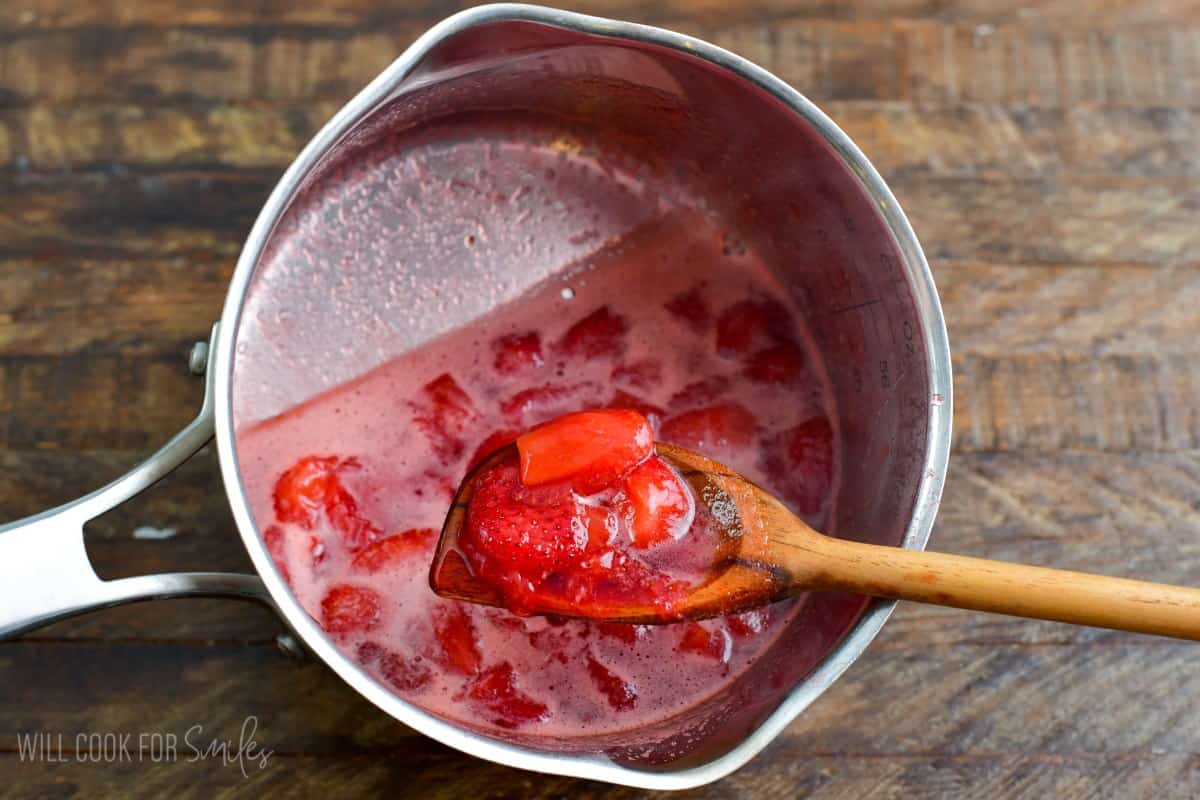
[1048, 154]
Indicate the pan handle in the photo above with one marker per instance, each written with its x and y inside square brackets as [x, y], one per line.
[45, 573]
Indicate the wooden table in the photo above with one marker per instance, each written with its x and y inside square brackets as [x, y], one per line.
[1049, 157]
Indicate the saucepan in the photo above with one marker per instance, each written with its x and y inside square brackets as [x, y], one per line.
[355, 259]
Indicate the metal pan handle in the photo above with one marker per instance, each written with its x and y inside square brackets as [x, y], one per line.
[45, 573]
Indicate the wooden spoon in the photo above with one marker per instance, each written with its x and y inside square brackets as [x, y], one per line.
[772, 554]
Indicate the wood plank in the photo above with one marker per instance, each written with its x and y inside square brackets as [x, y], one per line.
[154, 307]
[206, 214]
[775, 775]
[1050, 402]
[90, 402]
[928, 62]
[1004, 700]
[40, 14]
[964, 141]
[199, 214]
[1069, 221]
[1002, 309]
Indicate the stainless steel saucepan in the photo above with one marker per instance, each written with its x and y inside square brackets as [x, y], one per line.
[360, 255]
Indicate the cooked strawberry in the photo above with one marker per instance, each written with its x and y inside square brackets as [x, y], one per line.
[749, 623]
[714, 643]
[599, 334]
[629, 634]
[700, 393]
[538, 403]
[779, 365]
[521, 533]
[405, 674]
[356, 530]
[304, 490]
[653, 414]
[347, 609]
[728, 425]
[662, 505]
[622, 695]
[456, 634]
[799, 463]
[517, 352]
[394, 549]
[609, 576]
[368, 653]
[691, 307]
[490, 445]
[442, 414]
[639, 375]
[602, 525]
[495, 688]
[752, 324]
[590, 449]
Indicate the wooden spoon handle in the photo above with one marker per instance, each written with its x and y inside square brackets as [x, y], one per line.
[1003, 588]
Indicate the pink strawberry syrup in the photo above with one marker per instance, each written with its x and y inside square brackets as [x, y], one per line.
[676, 319]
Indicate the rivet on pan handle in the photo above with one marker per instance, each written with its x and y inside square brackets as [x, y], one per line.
[45, 573]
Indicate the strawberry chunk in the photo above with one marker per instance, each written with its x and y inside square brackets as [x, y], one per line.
[639, 375]
[602, 526]
[702, 429]
[356, 530]
[590, 449]
[653, 414]
[347, 609]
[622, 695]
[691, 307]
[442, 413]
[799, 463]
[311, 488]
[394, 549]
[539, 403]
[517, 352]
[405, 674]
[490, 445]
[304, 490]
[599, 334]
[752, 324]
[778, 365]
[749, 623]
[627, 633]
[662, 506]
[456, 634]
[700, 393]
[496, 690]
[711, 643]
[518, 533]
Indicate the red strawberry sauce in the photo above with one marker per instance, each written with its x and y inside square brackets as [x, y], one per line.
[349, 487]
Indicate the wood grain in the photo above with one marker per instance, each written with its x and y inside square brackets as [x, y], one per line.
[41, 14]
[927, 62]
[985, 140]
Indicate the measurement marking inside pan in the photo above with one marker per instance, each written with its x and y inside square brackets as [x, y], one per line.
[857, 306]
